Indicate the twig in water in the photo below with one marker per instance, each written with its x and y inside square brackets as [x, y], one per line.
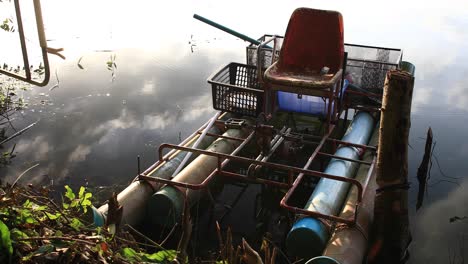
[440, 169]
[439, 181]
[18, 133]
[170, 234]
[144, 237]
[21, 175]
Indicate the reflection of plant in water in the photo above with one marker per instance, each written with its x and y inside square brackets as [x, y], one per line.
[112, 66]
[10, 102]
[7, 25]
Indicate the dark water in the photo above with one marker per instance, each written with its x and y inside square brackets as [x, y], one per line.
[92, 126]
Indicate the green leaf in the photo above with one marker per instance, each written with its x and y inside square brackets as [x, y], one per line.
[130, 254]
[5, 239]
[16, 233]
[69, 193]
[30, 220]
[74, 203]
[53, 216]
[27, 204]
[160, 256]
[36, 207]
[76, 224]
[46, 249]
[81, 192]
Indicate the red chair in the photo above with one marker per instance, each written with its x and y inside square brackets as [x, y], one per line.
[313, 40]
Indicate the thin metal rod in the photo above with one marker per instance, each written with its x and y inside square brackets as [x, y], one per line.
[24, 49]
[172, 151]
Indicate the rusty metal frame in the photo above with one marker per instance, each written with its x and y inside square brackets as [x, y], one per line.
[361, 187]
[24, 50]
[223, 159]
[208, 179]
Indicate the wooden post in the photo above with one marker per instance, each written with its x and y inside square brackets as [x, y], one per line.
[391, 235]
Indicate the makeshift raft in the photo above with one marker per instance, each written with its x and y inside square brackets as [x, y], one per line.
[299, 117]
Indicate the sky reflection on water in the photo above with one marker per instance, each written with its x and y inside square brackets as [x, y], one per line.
[92, 128]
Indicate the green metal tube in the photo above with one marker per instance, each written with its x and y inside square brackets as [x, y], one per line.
[228, 30]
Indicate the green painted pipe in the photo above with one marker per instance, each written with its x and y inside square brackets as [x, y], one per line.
[228, 30]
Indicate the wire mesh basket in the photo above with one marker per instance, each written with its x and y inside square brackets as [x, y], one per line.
[235, 89]
[368, 65]
[367, 68]
[266, 53]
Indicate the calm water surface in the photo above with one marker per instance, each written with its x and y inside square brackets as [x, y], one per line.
[95, 122]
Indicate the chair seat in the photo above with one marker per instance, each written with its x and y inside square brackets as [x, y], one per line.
[296, 82]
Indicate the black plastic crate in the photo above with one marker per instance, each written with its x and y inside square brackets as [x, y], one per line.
[235, 89]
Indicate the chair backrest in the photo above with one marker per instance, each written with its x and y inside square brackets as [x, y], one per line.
[313, 39]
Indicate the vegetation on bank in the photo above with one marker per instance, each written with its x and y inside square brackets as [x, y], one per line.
[36, 229]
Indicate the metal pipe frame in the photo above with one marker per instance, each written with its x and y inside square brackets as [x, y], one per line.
[167, 157]
[291, 170]
[24, 50]
[252, 168]
[349, 221]
[208, 179]
[333, 140]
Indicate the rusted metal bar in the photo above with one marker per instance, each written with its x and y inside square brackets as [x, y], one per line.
[261, 163]
[24, 50]
[43, 44]
[285, 199]
[254, 180]
[170, 154]
[208, 179]
[341, 142]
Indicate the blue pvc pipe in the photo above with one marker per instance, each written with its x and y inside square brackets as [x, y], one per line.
[308, 236]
